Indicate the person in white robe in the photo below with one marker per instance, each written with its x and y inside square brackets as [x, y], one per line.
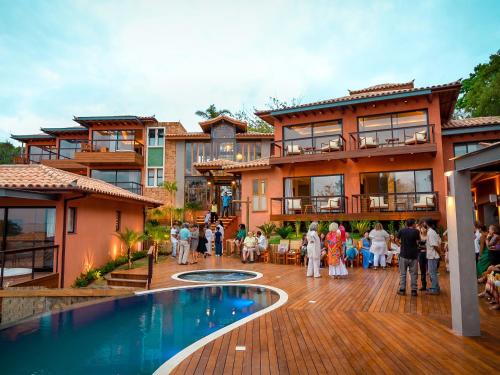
[313, 251]
[378, 247]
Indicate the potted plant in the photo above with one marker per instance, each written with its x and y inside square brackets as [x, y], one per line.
[267, 229]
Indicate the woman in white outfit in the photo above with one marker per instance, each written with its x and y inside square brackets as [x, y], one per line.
[379, 239]
[313, 251]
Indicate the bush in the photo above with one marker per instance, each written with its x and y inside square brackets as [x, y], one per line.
[284, 231]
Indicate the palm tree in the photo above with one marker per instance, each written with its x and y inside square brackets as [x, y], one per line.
[267, 229]
[191, 207]
[212, 112]
[171, 188]
[157, 234]
[129, 238]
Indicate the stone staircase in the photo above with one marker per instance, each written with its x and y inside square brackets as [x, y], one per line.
[230, 225]
[127, 279]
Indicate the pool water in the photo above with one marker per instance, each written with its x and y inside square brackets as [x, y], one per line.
[132, 335]
[217, 276]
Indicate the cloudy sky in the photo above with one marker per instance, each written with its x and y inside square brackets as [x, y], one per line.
[60, 59]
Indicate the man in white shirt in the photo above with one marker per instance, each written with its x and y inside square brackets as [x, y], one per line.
[433, 245]
[207, 219]
[173, 240]
[209, 236]
[221, 230]
[262, 242]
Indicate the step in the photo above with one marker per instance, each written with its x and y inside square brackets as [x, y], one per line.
[129, 276]
[127, 282]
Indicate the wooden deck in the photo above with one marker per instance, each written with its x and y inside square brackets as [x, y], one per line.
[357, 325]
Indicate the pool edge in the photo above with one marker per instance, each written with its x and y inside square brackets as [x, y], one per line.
[176, 277]
[173, 362]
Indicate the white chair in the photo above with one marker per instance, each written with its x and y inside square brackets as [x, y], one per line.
[377, 203]
[332, 145]
[293, 150]
[333, 204]
[417, 138]
[425, 201]
[367, 142]
[294, 205]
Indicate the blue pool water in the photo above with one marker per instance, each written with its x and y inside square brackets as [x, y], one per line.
[132, 335]
[217, 276]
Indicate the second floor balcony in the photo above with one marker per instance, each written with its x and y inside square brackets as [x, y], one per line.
[111, 152]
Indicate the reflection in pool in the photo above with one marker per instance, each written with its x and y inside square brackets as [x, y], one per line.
[213, 276]
[132, 335]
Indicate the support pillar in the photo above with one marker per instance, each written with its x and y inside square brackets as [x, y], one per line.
[463, 279]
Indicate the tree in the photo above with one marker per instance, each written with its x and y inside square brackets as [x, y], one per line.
[171, 188]
[129, 239]
[212, 112]
[157, 234]
[480, 93]
[7, 152]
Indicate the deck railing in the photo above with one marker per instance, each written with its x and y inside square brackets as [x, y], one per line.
[112, 145]
[395, 202]
[38, 259]
[308, 145]
[392, 137]
[309, 205]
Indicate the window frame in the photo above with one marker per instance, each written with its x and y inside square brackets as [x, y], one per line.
[468, 144]
[259, 184]
[311, 188]
[401, 170]
[71, 215]
[118, 220]
[391, 116]
[155, 176]
[312, 125]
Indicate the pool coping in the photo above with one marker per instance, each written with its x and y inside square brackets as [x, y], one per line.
[258, 275]
[174, 361]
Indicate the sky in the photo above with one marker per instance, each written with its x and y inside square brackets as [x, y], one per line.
[60, 59]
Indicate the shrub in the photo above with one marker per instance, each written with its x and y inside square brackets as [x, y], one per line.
[323, 227]
[361, 226]
[284, 231]
[267, 229]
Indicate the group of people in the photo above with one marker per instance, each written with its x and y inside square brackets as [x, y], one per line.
[487, 249]
[190, 241]
[212, 214]
[251, 244]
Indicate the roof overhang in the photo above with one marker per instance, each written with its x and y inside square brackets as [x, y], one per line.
[471, 129]
[68, 130]
[485, 159]
[115, 120]
[23, 194]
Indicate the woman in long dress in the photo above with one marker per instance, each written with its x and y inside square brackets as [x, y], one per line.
[313, 251]
[365, 250]
[336, 263]
[378, 247]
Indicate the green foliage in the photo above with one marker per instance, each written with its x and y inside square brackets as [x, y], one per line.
[191, 207]
[129, 239]
[267, 229]
[480, 93]
[391, 227]
[285, 231]
[255, 123]
[7, 152]
[323, 227]
[157, 234]
[440, 230]
[297, 226]
[274, 240]
[212, 112]
[361, 226]
[402, 224]
[96, 273]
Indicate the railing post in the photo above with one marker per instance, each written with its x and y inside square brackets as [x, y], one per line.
[32, 264]
[150, 267]
[1, 272]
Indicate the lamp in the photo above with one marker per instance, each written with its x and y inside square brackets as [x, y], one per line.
[239, 156]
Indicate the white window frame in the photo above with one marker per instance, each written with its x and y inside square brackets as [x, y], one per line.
[156, 128]
[148, 167]
[155, 184]
[261, 198]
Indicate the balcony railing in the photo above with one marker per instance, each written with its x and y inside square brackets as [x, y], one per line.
[309, 205]
[130, 145]
[309, 145]
[392, 137]
[395, 202]
[133, 187]
[41, 259]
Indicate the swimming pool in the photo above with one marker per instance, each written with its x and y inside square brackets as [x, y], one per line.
[217, 276]
[132, 335]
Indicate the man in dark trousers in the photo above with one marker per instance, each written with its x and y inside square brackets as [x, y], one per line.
[409, 238]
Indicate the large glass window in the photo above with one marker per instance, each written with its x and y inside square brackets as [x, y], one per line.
[155, 177]
[68, 147]
[223, 131]
[196, 190]
[313, 191]
[39, 153]
[156, 137]
[223, 149]
[259, 199]
[312, 136]
[196, 152]
[247, 151]
[114, 140]
[464, 148]
[126, 179]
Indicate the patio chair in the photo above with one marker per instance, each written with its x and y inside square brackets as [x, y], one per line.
[377, 203]
[293, 254]
[294, 150]
[417, 138]
[332, 145]
[294, 205]
[280, 254]
[367, 142]
[425, 201]
[333, 204]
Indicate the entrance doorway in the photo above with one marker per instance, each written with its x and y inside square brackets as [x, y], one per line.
[232, 190]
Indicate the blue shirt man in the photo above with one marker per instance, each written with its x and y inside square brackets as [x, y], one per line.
[226, 201]
[184, 234]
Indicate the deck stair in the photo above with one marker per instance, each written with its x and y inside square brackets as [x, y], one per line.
[230, 224]
[127, 279]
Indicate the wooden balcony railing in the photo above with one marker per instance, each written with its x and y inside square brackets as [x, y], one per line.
[308, 205]
[37, 259]
[395, 202]
[392, 137]
[309, 146]
[131, 145]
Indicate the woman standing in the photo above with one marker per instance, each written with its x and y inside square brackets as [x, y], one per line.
[336, 265]
[351, 251]
[484, 257]
[378, 247]
[313, 251]
[494, 244]
[202, 243]
[365, 250]
[422, 256]
[195, 236]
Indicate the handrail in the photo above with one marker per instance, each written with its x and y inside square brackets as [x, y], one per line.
[395, 202]
[33, 250]
[135, 145]
[313, 204]
[409, 137]
[313, 148]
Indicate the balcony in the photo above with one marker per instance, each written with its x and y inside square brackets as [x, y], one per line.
[377, 206]
[111, 152]
[56, 159]
[133, 187]
[393, 141]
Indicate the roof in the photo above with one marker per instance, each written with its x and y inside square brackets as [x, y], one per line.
[471, 122]
[253, 164]
[37, 177]
[28, 137]
[384, 87]
[206, 136]
[214, 164]
[370, 94]
[121, 120]
[69, 129]
[251, 134]
[240, 125]
[484, 159]
[191, 135]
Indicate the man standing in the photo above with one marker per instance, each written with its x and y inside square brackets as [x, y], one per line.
[184, 237]
[226, 202]
[207, 219]
[409, 238]
[173, 240]
[209, 236]
[432, 252]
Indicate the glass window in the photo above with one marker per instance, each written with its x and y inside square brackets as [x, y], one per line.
[464, 148]
[159, 176]
[126, 179]
[71, 220]
[68, 147]
[196, 190]
[327, 185]
[151, 177]
[156, 137]
[223, 131]
[372, 123]
[39, 153]
[423, 181]
[405, 181]
[30, 227]
[413, 118]
[298, 187]
[259, 200]
[114, 140]
[224, 150]
[297, 131]
[396, 182]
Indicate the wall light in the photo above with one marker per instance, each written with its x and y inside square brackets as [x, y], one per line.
[239, 157]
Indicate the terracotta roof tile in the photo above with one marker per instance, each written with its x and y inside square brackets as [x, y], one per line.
[263, 162]
[37, 177]
[384, 87]
[187, 135]
[471, 122]
[217, 163]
